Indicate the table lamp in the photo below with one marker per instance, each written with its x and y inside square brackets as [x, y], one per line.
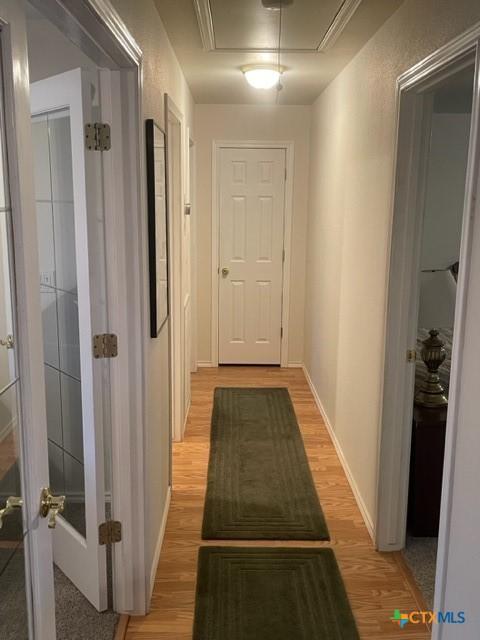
[437, 310]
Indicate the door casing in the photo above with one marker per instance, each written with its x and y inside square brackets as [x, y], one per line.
[175, 130]
[287, 237]
[97, 29]
[402, 305]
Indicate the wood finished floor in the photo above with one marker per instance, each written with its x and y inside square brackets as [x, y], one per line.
[376, 583]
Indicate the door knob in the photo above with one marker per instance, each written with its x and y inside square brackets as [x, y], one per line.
[8, 342]
[12, 504]
[51, 506]
[225, 272]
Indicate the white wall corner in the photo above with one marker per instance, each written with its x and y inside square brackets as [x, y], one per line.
[158, 546]
[343, 461]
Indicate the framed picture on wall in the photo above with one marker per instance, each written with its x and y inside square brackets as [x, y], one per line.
[157, 225]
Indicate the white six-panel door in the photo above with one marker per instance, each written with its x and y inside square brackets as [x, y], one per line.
[251, 186]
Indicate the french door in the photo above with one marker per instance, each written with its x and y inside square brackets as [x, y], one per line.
[69, 205]
[53, 300]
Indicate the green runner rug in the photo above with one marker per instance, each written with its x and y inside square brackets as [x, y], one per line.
[260, 486]
[271, 594]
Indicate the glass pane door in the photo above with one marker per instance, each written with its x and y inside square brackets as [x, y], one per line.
[13, 601]
[59, 298]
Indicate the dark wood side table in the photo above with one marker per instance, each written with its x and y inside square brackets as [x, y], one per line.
[426, 470]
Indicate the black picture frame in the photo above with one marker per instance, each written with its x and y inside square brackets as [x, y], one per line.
[158, 249]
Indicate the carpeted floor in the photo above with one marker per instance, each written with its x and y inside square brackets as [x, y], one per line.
[260, 485]
[246, 593]
[76, 618]
[421, 556]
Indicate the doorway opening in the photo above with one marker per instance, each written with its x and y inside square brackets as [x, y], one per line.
[66, 259]
[429, 265]
[447, 122]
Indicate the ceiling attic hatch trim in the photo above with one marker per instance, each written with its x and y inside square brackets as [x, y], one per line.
[343, 17]
[205, 24]
[334, 31]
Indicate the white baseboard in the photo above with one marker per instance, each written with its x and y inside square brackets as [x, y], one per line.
[343, 461]
[295, 365]
[204, 363]
[158, 546]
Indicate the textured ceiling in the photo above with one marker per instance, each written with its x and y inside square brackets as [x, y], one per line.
[319, 37]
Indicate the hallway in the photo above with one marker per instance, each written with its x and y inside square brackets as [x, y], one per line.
[376, 583]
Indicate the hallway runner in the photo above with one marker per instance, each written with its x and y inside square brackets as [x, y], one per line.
[260, 593]
[260, 486]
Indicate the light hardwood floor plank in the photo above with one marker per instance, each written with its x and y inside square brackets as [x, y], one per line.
[376, 583]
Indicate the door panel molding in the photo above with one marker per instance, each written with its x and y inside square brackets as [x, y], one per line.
[289, 148]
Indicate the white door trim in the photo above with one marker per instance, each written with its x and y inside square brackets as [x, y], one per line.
[95, 27]
[401, 313]
[194, 249]
[289, 147]
[173, 116]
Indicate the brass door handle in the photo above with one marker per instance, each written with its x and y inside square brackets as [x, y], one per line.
[225, 272]
[12, 504]
[8, 342]
[51, 506]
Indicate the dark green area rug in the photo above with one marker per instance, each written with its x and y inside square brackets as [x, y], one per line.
[271, 594]
[260, 486]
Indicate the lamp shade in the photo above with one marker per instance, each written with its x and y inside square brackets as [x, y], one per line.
[438, 292]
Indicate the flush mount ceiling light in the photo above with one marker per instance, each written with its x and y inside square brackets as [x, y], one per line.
[263, 76]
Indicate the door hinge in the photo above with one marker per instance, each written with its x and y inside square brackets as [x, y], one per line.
[97, 136]
[110, 532]
[283, 255]
[285, 174]
[411, 355]
[105, 345]
[281, 332]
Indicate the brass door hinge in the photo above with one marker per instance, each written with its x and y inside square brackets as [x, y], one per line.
[105, 345]
[110, 532]
[411, 355]
[97, 136]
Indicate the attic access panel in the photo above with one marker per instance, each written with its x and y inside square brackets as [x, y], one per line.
[246, 24]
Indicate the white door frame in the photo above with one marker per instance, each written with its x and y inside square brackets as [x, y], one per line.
[289, 147]
[174, 117]
[403, 294]
[191, 194]
[98, 30]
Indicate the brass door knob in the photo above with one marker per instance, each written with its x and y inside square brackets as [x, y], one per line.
[8, 342]
[12, 504]
[225, 271]
[51, 506]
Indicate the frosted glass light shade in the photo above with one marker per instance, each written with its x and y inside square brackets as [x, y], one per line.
[262, 77]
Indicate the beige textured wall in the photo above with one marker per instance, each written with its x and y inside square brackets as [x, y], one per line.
[251, 122]
[351, 168]
[162, 74]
